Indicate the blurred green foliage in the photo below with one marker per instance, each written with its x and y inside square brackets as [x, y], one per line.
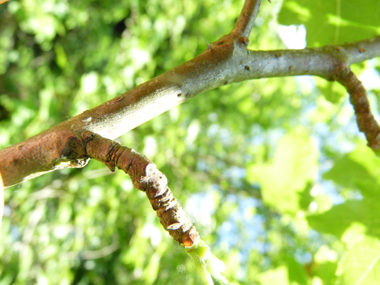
[273, 172]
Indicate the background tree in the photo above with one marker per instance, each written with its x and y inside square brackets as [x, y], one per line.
[273, 171]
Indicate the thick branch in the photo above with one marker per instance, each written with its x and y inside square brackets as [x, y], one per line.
[55, 148]
[227, 61]
[246, 19]
[362, 50]
[325, 62]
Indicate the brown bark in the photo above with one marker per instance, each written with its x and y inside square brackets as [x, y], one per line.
[359, 100]
[246, 19]
[225, 61]
[146, 177]
[50, 150]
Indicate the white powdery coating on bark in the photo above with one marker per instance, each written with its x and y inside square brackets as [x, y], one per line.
[131, 116]
[156, 178]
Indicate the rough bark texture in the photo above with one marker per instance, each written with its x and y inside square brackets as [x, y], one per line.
[358, 98]
[225, 61]
[89, 135]
[146, 177]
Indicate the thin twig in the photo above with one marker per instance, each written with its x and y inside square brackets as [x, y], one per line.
[146, 177]
[358, 98]
[246, 19]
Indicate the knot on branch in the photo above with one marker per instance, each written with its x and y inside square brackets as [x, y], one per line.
[339, 69]
[227, 41]
[74, 148]
[73, 154]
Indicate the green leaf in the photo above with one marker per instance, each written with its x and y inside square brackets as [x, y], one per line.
[325, 264]
[332, 91]
[275, 276]
[359, 169]
[152, 269]
[294, 165]
[333, 22]
[207, 264]
[296, 271]
[361, 264]
[338, 219]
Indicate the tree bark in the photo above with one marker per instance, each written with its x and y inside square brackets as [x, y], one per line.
[225, 61]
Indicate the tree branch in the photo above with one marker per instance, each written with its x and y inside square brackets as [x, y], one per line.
[358, 98]
[226, 61]
[325, 62]
[362, 50]
[146, 177]
[246, 19]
